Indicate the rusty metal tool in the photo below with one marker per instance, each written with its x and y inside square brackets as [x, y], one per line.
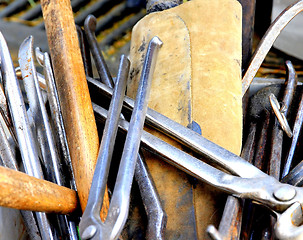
[267, 41]
[248, 19]
[259, 162]
[259, 159]
[85, 53]
[296, 133]
[77, 112]
[24, 135]
[156, 216]
[102, 68]
[295, 176]
[155, 213]
[277, 133]
[90, 227]
[231, 221]
[41, 78]
[56, 113]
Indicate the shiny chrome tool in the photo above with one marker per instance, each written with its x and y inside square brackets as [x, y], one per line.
[91, 226]
[268, 40]
[156, 215]
[91, 216]
[42, 129]
[252, 183]
[28, 150]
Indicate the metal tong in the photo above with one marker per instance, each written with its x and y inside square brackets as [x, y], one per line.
[156, 216]
[91, 226]
[248, 182]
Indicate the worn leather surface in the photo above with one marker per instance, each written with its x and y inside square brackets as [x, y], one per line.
[197, 78]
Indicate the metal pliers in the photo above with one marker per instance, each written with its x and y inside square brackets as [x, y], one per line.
[243, 180]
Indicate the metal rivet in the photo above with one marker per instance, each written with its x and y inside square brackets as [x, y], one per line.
[285, 193]
[89, 232]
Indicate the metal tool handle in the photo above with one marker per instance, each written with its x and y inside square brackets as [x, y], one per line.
[216, 154]
[265, 190]
[121, 194]
[91, 225]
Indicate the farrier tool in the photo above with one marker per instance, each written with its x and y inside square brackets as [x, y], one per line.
[156, 216]
[250, 182]
[91, 226]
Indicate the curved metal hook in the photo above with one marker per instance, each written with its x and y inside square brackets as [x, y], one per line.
[267, 41]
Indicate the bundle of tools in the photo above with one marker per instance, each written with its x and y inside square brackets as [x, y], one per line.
[49, 129]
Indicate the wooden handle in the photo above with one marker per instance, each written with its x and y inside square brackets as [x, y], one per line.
[78, 115]
[21, 191]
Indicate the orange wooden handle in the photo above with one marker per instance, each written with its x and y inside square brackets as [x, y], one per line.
[73, 93]
[21, 191]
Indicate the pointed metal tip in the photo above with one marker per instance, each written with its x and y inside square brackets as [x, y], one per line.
[25, 45]
[30, 38]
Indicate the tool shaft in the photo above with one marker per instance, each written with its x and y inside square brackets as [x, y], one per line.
[78, 117]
